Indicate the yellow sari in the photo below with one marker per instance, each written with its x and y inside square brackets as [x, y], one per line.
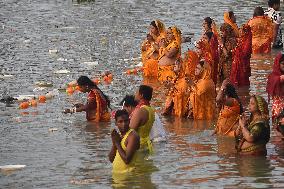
[150, 62]
[203, 96]
[166, 73]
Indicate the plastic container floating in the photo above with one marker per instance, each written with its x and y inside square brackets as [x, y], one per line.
[11, 167]
[62, 72]
[95, 63]
[25, 97]
[53, 51]
[5, 76]
[43, 84]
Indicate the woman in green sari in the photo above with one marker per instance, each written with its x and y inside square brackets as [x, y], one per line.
[253, 134]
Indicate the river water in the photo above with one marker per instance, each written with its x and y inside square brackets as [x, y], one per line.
[110, 33]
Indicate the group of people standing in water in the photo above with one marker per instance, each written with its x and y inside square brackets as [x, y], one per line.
[221, 58]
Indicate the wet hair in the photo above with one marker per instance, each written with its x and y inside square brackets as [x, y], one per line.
[153, 23]
[209, 21]
[146, 91]
[119, 113]
[273, 2]
[231, 13]
[231, 92]
[85, 81]
[128, 100]
[258, 11]
[209, 34]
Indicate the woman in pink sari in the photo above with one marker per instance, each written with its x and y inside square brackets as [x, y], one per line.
[241, 71]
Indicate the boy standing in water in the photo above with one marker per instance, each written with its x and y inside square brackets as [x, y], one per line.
[275, 15]
[123, 154]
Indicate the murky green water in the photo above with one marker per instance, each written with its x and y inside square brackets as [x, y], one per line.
[110, 32]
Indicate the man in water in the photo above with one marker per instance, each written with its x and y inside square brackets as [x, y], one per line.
[275, 15]
[143, 116]
[123, 154]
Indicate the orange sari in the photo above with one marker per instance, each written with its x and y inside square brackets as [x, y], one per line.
[262, 34]
[166, 73]
[149, 61]
[99, 105]
[203, 97]
[190, 62]
[228, 118]
[179, 94]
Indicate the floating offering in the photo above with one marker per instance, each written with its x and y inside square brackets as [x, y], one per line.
[41, 99]
[33, 103]
[133, 71]
[24, 105]
[11, 167]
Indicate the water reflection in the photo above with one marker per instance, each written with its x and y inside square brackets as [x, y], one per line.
[255, 167]
[140, 178]
[83, 1]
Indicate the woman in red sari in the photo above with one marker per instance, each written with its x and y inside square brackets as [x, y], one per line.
[209, 47]
[275, 86]
[241, 71]
[97, 104]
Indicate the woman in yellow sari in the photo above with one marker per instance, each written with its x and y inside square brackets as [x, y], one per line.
[231, 109]
[177, 98]
[262, 31]
[229, 18]
[203, 96]
[169, 54]
[150, 48]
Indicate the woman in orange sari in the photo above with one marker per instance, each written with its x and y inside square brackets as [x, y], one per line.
[229, 42]
[150, 48]
[169, 54]
[177, 98]
[231, 109]
[241, 71]
[262, 31]
[97, 105]
[203, 95]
